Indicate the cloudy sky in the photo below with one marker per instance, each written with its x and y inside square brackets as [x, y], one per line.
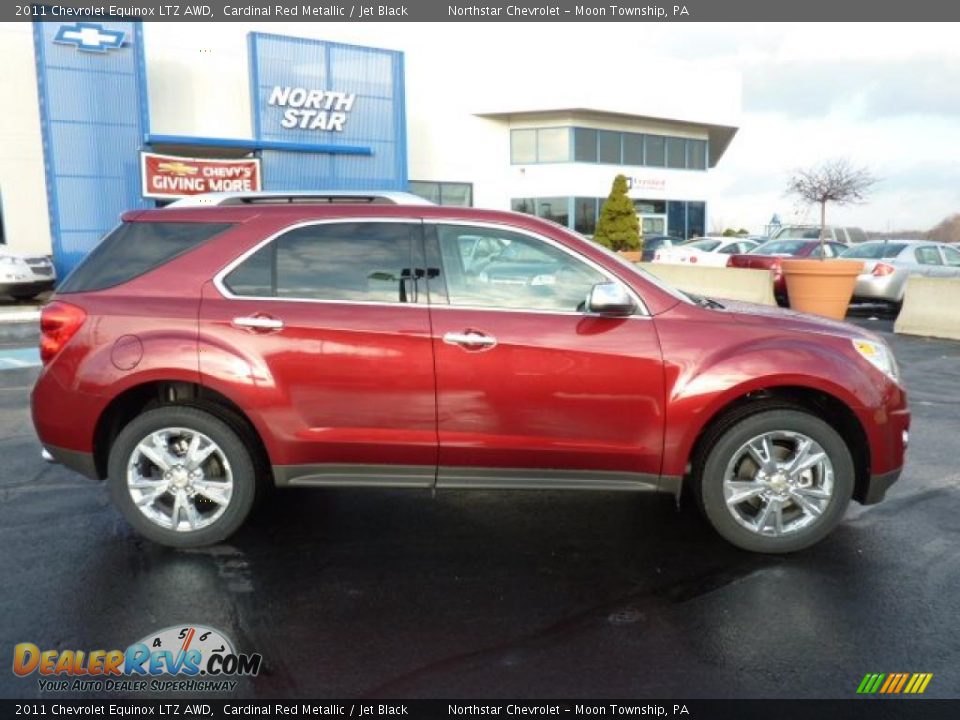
[886, 96]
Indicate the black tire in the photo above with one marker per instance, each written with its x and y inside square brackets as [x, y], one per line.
[731, 436]
[229, 442]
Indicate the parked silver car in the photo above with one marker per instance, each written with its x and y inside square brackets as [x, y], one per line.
[887, 264]
[25, 276]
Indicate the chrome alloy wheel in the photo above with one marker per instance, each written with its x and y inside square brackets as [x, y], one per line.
[778, 483]
[179, 479]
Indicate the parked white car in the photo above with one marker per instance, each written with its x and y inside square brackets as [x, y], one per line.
[25, 276]
[712, 251]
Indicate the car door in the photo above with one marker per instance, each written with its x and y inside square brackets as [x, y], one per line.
[320, 331]
[531, 390]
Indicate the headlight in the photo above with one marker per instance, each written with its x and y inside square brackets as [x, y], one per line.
[878, 355]
[9, 260]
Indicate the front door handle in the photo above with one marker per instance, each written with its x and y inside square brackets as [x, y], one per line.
[470, 340]
[258, 322]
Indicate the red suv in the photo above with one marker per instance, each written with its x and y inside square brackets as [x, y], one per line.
[202, 354]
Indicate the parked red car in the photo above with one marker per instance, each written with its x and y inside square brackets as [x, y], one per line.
[199, 355]
[769, 255]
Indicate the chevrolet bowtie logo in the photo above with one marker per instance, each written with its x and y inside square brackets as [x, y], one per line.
[89, 37]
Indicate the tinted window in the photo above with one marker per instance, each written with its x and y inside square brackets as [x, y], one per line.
[928, 256]
[584, 145]
[655, 150]
[780, 247]
[135, 248]
[555, 209]
[705, 245]
[952, 256]
[676, 152]
[632, 149]
[553, 145]
[800, 232]
[874, 251]
[697, 154]
[523, 146]
[523, 273]
[585, 215]
[609, 147]
[359, 262]
[856, 234]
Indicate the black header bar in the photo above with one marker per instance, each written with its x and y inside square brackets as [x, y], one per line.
[487, 11]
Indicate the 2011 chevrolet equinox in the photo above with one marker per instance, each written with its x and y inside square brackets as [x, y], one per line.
[200, 354]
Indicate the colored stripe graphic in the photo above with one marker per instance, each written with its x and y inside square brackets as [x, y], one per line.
[894, 683]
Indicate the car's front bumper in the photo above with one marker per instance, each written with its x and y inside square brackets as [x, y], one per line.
[877, 486]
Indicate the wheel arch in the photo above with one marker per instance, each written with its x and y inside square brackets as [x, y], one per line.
[824, 405]
[138, 398]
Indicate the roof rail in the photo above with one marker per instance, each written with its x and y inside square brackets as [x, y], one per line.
[339, 197]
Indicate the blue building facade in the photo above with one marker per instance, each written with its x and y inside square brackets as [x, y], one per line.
[325, 115]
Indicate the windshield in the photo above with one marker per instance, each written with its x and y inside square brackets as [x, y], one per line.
[705, 245]
[874, 250]
[805, 233]
[780, 247]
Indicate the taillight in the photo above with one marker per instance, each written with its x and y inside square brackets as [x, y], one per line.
[882, 269]
[730, 262]
[59, 321]
[693, 258]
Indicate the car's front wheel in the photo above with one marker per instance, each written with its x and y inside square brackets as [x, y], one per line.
[776, 481]
[182, 476]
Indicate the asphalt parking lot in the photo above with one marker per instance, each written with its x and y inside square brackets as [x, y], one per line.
[351, 593]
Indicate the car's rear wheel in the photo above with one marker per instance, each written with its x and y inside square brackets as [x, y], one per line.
[182, 476]
[776, 481]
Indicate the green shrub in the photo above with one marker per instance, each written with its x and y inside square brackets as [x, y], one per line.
[618, 227]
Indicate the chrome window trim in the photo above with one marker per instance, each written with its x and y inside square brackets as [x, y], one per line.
[218, 279]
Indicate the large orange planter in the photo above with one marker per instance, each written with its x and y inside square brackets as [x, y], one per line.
[821, 287]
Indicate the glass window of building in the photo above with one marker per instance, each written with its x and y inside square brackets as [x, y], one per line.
[697, 154]
[696, 219]
[555, 209]
[650, 207]
[585, 215]
[677, 219]
[444, 193]
[584, 145]
[608, 147]
[676, 153]
[655, 150]
[632, 149]
[553, 145]
[523, 146]
[524, 205]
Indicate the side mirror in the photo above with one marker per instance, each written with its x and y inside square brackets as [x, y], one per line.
[610, 299]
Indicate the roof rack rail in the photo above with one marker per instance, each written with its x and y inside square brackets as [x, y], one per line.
[334, 197]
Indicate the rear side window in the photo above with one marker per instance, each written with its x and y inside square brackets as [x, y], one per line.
[875, 250]
[348, 262]
[134, 249]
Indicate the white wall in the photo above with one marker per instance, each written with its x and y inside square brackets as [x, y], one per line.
[22, 185]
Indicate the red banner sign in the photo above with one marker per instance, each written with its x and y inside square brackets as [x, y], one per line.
[169, 176]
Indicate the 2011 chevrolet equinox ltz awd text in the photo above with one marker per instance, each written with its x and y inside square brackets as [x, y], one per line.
[201, 354]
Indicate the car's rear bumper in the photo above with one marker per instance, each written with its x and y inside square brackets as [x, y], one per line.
[869, 287]
[75, 460]
[33, 287]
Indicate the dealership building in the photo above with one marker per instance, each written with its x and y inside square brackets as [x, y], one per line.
[102, 117]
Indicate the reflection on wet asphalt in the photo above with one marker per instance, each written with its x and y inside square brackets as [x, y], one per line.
[395, 594]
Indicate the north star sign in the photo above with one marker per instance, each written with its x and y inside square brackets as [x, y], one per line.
[306, 109]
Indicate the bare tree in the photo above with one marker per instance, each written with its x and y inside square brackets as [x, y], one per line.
[836, 181]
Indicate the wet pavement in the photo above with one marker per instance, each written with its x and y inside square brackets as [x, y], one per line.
[353, 593]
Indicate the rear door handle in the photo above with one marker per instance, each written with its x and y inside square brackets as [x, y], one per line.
[258, 322]
[470, 340]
